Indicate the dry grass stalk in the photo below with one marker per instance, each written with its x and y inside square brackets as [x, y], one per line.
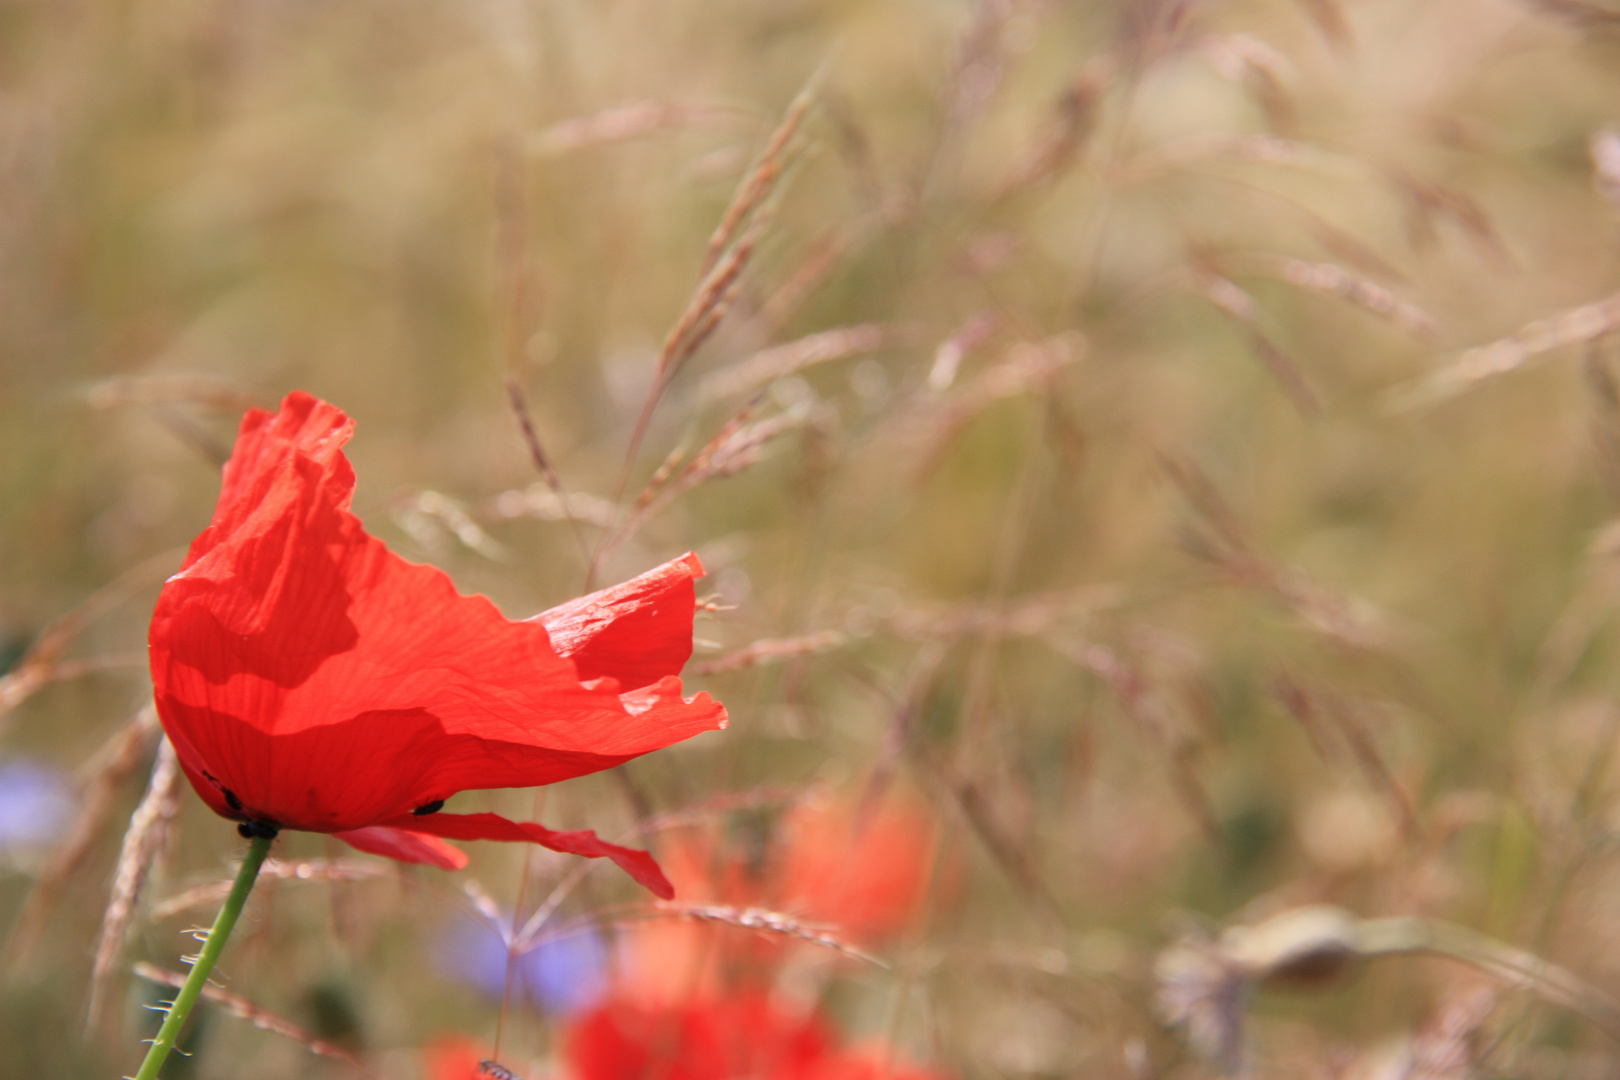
[211, 449]
[484, 904]
[1585, 15]
[720, 805]
[1577, 326]
[767, 922]
[1330, 279]
[530, 934]
[531, 438]
[117, 759]
[212, 393]
[1258, 149]
[1072, 124]
[1144, 702]
[1026, 617]
[1347, 620]
[702, 314]
[760, 920]
[1330, 19]
[1517, 967]
[677, 457]
[80, 666]
[762, 178]
[976, 74]
[1606, 418]
[824, 255]
[243, 1009]
[903, 714]
[519, 298]
[1152, 708]
[144, 843]
[713, 299]
[1024, 367]
[854, 149]
[43, 664]
[779, 361]
[539, 502]
[1336, 728]
[1235, 302]
[426, 513]
[737, 446]
[1429, 204]
[1246, 60]
[1267, 149]
[1016, 861]
[1605, 150]
[773, 650]
[634, 121]
[212, 893]
[1348, 249]
[1349, 721]
[1150, 30]
[730, 249]
[954, 349]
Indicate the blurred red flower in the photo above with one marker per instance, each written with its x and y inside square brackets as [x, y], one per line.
[310, 678]
[453, 1057]
[862, 876]
[738, 1036]
[741, 1036]
[864, 872]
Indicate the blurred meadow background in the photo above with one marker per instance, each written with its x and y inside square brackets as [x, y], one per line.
[1157, 465]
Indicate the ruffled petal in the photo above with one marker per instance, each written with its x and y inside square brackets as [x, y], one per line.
[405, 846]
[303, 428]
[327, 683]
[638, 864]
[637, 632]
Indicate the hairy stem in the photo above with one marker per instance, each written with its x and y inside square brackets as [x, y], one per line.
[204, 964]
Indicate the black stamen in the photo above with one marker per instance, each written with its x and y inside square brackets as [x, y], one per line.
[231, 800]
[248, 830]
[429, 808]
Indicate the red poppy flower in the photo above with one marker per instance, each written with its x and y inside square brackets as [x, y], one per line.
[738, 1036]
[309, 678]
[741, 1036]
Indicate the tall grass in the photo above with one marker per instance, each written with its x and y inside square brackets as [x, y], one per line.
[1174, 446]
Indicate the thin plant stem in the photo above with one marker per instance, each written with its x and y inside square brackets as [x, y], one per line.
[204, 964]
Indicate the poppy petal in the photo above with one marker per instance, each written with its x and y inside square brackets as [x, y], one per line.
[304, 427]
[405, 846]
[636, 632]
[328, 684]
[638, 864]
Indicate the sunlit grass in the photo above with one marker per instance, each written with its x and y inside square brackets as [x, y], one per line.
[1164, 539]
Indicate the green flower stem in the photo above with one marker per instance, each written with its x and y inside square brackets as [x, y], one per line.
[204, 964]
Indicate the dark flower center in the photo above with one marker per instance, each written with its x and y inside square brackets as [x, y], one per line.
[429, 808]
[251, 827]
